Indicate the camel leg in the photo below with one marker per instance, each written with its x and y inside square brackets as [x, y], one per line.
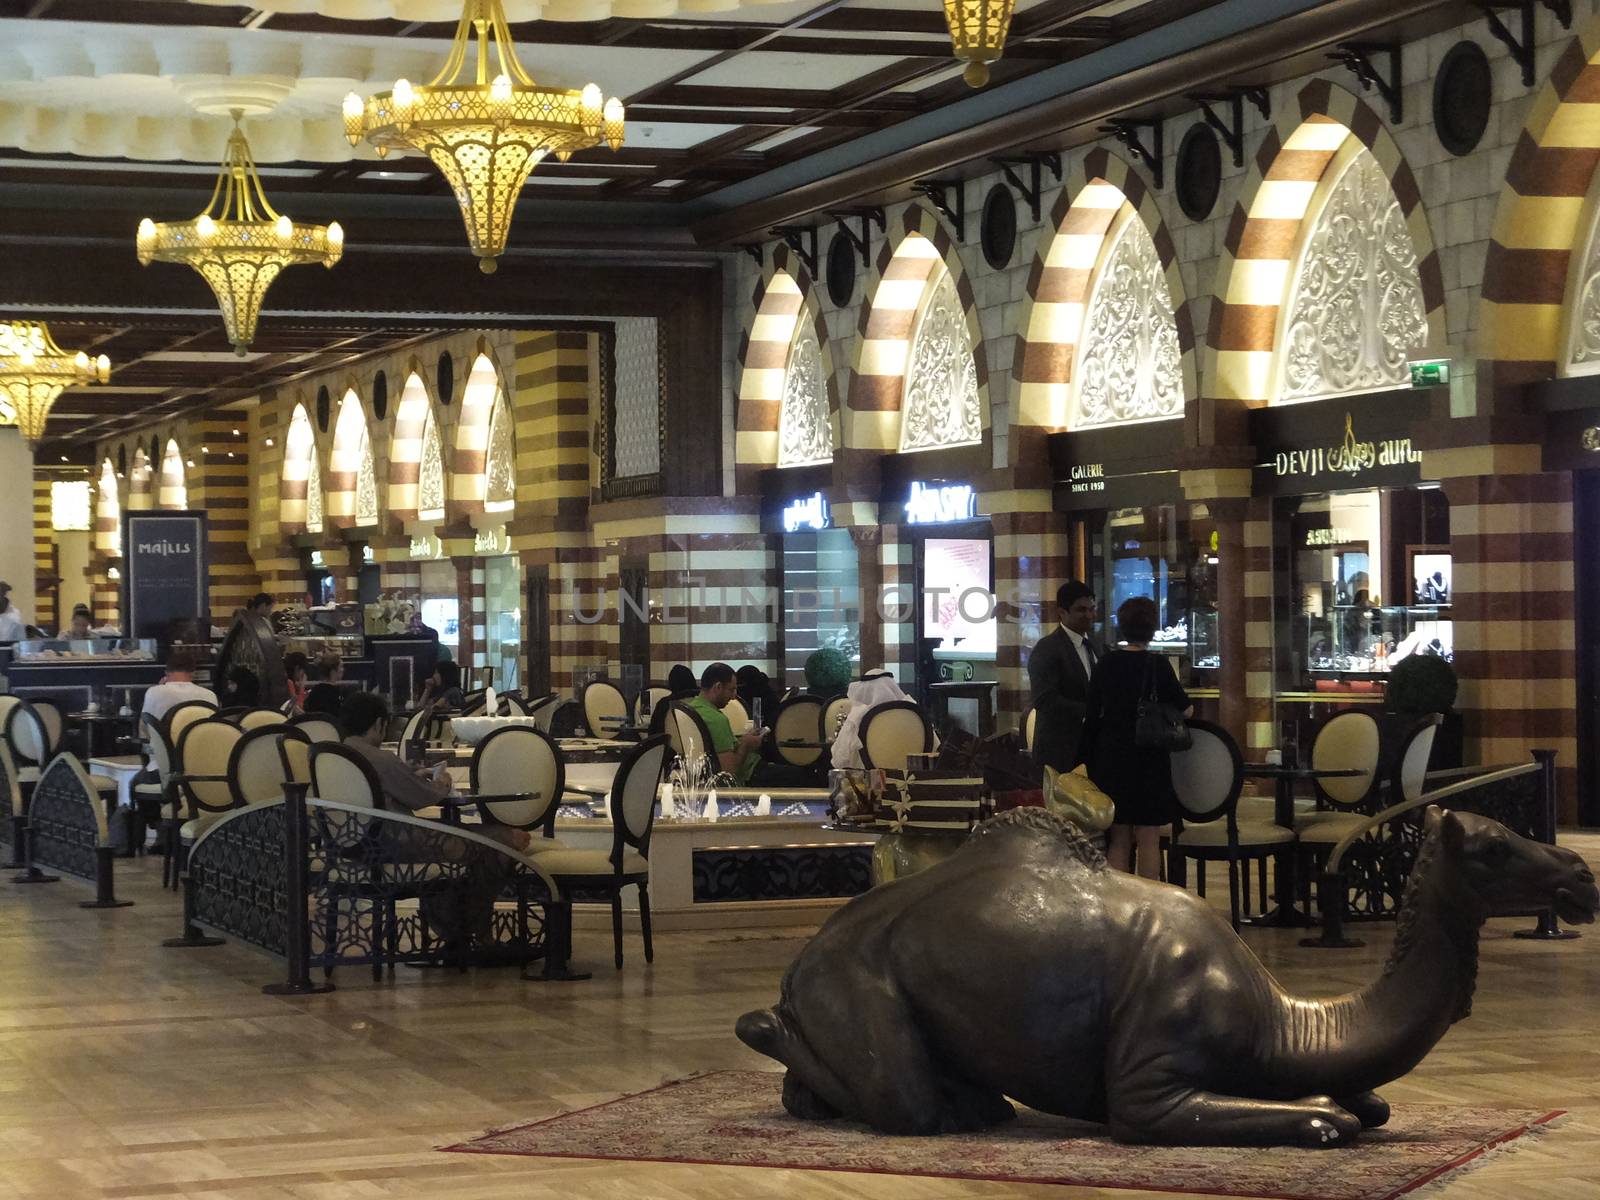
[1182, 1117]
[1371, 1109]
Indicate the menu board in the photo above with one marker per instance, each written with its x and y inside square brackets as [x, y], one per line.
[164, 575]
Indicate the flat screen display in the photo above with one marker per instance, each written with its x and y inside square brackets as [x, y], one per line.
[957, 603]
[443, 613]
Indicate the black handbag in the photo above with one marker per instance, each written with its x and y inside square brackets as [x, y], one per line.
[1158, 726]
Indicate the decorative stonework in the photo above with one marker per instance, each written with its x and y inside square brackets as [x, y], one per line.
[941, 381]
[501, 467]
[636, 436]
[366, 485]
[1583, 338]
[314, 498]
[1356, 310]
[1131, 368]
[430, 473]
[805, 431]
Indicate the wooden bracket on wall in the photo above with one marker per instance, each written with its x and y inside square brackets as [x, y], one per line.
[1230, 131]
[754, 251]
[1524, 49]
[1033, 191]
[1361, 58]
[868, 218]
[803, 241]
[1127, 132]
[938, 192]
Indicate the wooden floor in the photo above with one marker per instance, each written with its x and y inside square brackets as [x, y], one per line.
[128, 1070]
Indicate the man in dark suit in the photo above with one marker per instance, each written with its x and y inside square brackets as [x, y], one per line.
[1058, 678]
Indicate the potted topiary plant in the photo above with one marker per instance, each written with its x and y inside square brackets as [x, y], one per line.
[1421, 684]
[827, 672]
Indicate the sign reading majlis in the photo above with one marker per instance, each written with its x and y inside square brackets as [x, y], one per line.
[164, 570]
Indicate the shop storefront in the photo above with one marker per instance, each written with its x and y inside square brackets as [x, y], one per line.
[439, 593]
[502, 606]
[819, 576]
[1361, 562]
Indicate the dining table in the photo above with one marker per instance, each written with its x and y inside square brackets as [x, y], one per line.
[1286, 913]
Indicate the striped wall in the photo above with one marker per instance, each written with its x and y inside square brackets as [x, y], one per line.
[1031, 561]
[344, 462]
[1260, 728]
[219, 485]
[1264, 234]
[1097, 186]
[405, 446]
[45, 613]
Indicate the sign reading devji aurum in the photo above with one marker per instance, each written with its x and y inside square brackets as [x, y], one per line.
[1299, 452]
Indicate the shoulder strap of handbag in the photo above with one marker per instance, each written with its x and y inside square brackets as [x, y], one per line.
[1149, 691]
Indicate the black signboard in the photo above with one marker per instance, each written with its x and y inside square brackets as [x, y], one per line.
[164, 576]
[1118, 466]
[1339, 444]
[1089, 487]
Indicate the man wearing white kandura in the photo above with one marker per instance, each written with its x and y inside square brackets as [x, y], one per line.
[872, 689]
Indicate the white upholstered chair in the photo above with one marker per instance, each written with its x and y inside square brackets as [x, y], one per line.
[892, 732]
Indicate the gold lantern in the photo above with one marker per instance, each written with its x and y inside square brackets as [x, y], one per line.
[978, 31]
[488, 134]
[34, 371]
[240, 243]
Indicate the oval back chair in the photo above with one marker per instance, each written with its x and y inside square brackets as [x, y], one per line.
[259, 718]
[604, 707]
[798, 719]
[317, 727]
[892, 732]
[338, 773]
[521, 762]
[1347, 741]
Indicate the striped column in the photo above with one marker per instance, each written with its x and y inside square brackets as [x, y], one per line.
[1511, 539]
[582, 620]
[475, 618]
[45, 614]
[1260, 726]
[1031, 562]
[219, 485]
[467, 644]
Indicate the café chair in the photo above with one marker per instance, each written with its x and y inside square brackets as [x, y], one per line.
[474, 703]
[688, 736]
[317, 727]
[604, 708]
[833, 712]
[633, 814]
[259, 767]
[1030, 725]
[339, 774]
[1207, 778]
[14, 821]
[892, 733]
[515, 705]
[203, 754]
[1345, 741]
[738, 716]
[524, 765]
[257, 718]
[541, 710]
[180, 716]
[797, 720]
[55, 724]
[28, 736]
[416, 727]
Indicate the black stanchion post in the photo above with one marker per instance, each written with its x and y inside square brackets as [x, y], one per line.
[19, 842]
[296, 916]
[1332, 891]
[557, 945]
[191, 932]
[1548, 929]
[31, 873]
[104, 884]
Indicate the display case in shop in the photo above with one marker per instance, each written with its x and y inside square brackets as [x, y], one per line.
[1357, 641]
[86, 650]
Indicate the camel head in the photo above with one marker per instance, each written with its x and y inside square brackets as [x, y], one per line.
[1509, 874]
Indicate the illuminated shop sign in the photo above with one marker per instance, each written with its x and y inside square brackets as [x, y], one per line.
[366, 555]
[426, 546]
[940, 504]
[1086, 478]
[316, 558]
[1350, 457]
[491, 541]
[809, 512]
[1331, 537]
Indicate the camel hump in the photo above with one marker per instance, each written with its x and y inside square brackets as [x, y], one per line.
[763, 1032]
[1038, 825]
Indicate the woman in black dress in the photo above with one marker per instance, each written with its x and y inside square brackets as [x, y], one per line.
[1137, 779]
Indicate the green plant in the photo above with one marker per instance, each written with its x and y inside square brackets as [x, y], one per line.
[1422, 683]
[827, 672]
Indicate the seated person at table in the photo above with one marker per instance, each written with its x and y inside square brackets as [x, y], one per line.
[443, 688]
[872, 689]
[681, 686]
[407, 789]
[327, 696]
[294, 667]
[740, 756]
[755, 693]
[176, 686]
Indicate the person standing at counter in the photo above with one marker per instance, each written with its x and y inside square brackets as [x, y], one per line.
[1058, 678]
[81, 627]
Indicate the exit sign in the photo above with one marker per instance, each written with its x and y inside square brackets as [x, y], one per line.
[1430, 374]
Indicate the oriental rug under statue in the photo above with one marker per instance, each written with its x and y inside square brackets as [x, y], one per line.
[736, 1118]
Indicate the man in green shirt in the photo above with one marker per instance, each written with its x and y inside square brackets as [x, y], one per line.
[736, 755]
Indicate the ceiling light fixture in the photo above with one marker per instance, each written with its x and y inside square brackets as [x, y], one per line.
[34, 371]
[978, 31]
[485, 136]
[239, 244]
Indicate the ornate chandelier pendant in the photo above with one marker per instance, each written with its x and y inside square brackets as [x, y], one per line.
[34, 371]
[486, 136]
[978, 31]
[239, 244]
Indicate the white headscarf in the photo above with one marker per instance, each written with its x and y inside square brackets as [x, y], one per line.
[872, 689]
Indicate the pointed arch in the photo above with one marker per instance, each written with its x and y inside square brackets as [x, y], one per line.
[412, 413]
[350, 486]
[174, 490]
[107, 513]
[917, 278]
[140, 479]
[500, 462]
[299, 471]
[483, 391]
[1105, 225]
[1300, 161]
[788, 404]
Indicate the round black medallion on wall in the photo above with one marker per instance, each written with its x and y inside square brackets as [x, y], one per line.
[380, 395]
[324, 408]
[1199, 175]
[1463, 92]
[446, 378]
[841, 270]
[999, 232]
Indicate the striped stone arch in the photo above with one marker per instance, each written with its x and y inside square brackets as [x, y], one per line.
[107, 511]
[1264, 235]
[469, 453]
[299, 460]
[412, 411]
[782, 296]
[1063, 271]
[172, 489]
[894, 291]
[1536, 245]
[141, 481]
[351, 444]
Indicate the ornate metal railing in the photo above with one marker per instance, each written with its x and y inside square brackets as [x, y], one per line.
[237, 879]
[67, 830]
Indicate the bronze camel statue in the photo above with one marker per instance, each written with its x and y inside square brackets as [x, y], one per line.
[1022, 967]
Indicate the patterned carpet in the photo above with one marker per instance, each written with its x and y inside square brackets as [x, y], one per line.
[736, 1118]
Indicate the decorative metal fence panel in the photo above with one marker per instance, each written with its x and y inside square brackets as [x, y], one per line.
[237, 877]
[65, 828]
[746, 873]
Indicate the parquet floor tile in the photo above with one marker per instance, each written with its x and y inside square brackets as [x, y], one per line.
[131, 1071]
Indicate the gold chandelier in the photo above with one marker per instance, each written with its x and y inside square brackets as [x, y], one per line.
[34, 371]
[239, 244]
[486, 136]
[978, 31]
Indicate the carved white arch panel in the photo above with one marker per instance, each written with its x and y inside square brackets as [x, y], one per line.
[1130, 365]
[805, 427]
[314, 497]
[430, 475]
[500, 493]
[1355, 311]
[941, 406]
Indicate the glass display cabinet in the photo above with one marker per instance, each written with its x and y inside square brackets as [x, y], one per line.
[1362, 641]
[82, 650]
